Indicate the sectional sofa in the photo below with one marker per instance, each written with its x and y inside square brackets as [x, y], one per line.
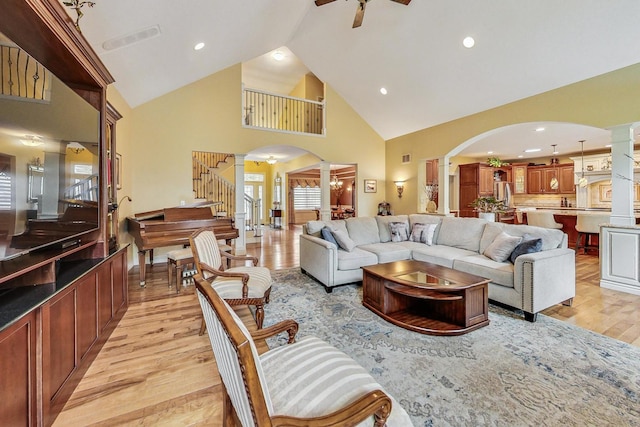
[542, 276]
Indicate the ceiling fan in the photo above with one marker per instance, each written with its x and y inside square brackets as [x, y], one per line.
[360, 11]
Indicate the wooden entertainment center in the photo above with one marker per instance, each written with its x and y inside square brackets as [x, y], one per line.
[59, 305]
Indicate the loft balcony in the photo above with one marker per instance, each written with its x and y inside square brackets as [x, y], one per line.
[281, 113]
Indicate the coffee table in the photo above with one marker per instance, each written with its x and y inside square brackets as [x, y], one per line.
[426, 298]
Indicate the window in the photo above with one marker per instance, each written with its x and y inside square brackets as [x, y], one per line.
[306, 198]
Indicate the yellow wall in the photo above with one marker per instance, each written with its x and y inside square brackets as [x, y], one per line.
[603, 101]
[206, 115]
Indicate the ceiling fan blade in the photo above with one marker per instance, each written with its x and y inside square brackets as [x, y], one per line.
[404, 2]
[359, 14]
[321, 2]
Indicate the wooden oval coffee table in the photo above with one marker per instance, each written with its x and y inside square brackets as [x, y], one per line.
[426, 298]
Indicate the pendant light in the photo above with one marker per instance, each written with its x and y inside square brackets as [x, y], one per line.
[582, 182]
[554, 181]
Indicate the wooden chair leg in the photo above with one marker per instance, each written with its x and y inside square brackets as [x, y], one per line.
[259, 316]
[203, 327]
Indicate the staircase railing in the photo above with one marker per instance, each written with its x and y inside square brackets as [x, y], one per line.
[265, 110]
[207, 184]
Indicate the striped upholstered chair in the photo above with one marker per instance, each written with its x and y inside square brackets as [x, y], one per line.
[308, 383]
[242, 285]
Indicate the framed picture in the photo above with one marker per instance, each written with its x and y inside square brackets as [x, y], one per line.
[118, 171]
[370, 186]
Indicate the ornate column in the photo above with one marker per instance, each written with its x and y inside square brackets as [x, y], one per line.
[325, 195]
[240, 215]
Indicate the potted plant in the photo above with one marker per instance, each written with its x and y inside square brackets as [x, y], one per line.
[487, 207]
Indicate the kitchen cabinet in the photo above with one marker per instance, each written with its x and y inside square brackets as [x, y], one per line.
[539, 179]
[519, 173]
[566, 177]
[477, 179]
[485, 185]
[534, 181]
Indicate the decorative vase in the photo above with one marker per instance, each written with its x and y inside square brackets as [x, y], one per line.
[432, 207]
[489, 216]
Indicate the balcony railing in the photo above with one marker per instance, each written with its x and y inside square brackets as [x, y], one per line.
[21, 76]
[264, 110]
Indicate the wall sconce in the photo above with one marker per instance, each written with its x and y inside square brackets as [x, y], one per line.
[399, 187]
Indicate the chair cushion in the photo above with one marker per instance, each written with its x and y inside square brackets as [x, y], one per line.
[363, 230]
[437, 254]
[231, 287]
[179, 254]
[311, 378]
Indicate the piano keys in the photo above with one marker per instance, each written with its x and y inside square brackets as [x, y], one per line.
[171, 227]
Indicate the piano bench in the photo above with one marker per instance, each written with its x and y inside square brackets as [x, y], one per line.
[178, 259]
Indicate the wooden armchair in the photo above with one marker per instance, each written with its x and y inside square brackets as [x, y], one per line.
[308, 383]
[243, 285]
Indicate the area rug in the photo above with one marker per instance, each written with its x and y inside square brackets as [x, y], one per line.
[510, 373]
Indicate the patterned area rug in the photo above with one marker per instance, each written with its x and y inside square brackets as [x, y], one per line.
[510, 373]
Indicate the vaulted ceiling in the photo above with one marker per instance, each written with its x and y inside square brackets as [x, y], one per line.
[522, 48]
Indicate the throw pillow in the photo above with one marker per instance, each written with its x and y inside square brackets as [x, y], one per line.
[326, 235]
[343, 240]
[399, 231]
[423, 233]
[502, 246]
[526, 247]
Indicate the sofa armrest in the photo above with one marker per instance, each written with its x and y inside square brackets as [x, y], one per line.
[319, 258]
[546, 278]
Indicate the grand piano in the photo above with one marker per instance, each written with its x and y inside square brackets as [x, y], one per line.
[173, 226]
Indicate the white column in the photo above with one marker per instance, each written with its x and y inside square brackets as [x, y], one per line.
[325, 195]
[622, 174]
[240, 215]
[443, 185]
[421, 181]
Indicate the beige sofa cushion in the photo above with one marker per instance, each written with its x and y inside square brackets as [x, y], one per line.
[500, 273]
[313, 228]
[355, 259]
[363, 230]
[437, 254]
[463, 233]
[383, 225]
[551, 238]
[388, 252]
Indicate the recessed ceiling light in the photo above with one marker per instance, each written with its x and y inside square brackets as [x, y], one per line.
[277, 55]
[532, 150]
[540, 129]
[608, 146]
[520, 156]
[468, 42]
[489, 152]
[383, 90]
[198, 46]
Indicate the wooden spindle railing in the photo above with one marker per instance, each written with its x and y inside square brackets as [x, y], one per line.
[208, 185]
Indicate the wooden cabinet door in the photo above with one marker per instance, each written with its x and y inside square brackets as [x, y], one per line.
[519, 179]
[58, 349]
[18, 378]
[534, 181]
[547, 175]
[119, 280]
[469, 174]
[87, 314]
[468, 194]
[567, 178]
[485, 186]
[105, 297]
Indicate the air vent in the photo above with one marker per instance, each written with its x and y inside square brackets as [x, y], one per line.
[406, 158]
[132, 38]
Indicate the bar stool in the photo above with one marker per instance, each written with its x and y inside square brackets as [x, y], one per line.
[588, 225]
[542, 219]
[178, 259]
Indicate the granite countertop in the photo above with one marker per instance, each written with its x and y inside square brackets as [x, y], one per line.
[572, 211]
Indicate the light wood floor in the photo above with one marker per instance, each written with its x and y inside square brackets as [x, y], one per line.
[156, 370]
